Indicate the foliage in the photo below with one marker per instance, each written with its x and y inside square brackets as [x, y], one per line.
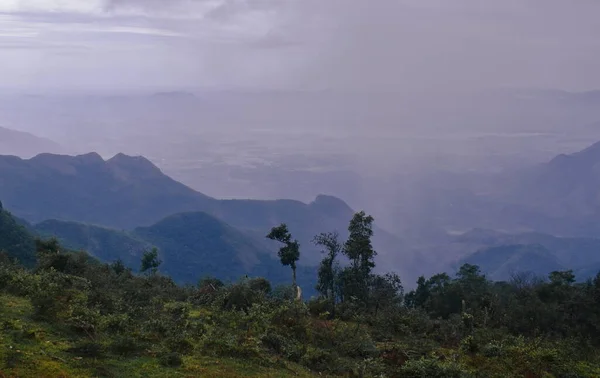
[150, 262]
[289, 254]
[73, 316]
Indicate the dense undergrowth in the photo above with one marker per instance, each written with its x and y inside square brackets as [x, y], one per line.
[71, 316]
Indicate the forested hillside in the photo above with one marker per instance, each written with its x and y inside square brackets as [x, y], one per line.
[15, 239]
[71, 316]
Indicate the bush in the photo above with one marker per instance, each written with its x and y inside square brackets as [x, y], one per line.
[179, 344]
[320, 307]
[319, 359]
[493, 349]
[126, 346]
[170, 359]
[12, 358]
[57, 294]
[290, 349]
[283, 293]
[87, 349]
[241, 296]
[431, 368]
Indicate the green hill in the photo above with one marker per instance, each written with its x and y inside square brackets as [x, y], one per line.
[15, 239]
[104, 243]
[191, 246]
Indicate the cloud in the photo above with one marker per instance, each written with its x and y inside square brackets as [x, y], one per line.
[398, 45]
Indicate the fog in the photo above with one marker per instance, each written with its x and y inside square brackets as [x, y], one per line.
[372, 101]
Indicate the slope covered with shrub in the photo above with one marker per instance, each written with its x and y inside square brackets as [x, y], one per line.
[71, 316]
[15, 239]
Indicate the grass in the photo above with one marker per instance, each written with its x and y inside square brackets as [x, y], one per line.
[30, 348]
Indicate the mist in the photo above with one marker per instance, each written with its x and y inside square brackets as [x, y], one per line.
[379, 103]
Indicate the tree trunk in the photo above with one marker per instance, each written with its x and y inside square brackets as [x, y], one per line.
[294, 277]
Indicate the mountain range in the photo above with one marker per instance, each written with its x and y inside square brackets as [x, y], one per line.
[502, 254]
[18, 143]
[119, 207]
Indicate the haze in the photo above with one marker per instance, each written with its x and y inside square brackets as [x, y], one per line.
[292, 98]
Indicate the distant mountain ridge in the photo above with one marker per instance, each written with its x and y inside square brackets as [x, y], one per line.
[499, 254]
[127, 192]
[567, 186]
[19, 143]
[500, 263]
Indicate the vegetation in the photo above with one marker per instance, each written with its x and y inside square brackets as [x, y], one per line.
[289, 254]
[15, 239]
[72, 316]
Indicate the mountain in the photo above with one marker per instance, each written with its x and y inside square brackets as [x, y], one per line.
[559, 197]
[196, 244]
[23, 144]
[122, 192]
[126, 192]
[568, 185]
[191, 245]
[499, 263]
[15, 239]
[103, 243]
[535, 251]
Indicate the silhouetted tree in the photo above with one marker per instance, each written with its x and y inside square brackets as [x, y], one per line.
[289, 254]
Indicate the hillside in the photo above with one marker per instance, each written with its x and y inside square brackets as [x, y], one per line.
[500, 263]
[568, 185]
[536, 252]
[191, 246]
[572, 252]
[72, 317]
[18, 143]
[103, 243]
[15, 239]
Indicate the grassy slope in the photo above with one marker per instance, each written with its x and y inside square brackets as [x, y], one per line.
[29, 348]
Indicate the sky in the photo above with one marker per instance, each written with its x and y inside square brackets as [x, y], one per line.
[347, 45]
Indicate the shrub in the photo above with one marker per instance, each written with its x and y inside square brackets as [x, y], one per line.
[126, 346]
[319, 359]
[87, 349]
[170, 359]
[431, 368]
[289, 348]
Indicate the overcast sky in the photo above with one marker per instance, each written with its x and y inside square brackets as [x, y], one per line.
[402, 45]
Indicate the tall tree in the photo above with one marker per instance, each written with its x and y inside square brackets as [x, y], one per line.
[358, 247]
[328, 268]
[289, 254]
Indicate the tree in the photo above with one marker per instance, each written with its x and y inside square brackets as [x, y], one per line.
[358, 248]
[150, 261]
[289, 254]
[386, 291]
[328, 268]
